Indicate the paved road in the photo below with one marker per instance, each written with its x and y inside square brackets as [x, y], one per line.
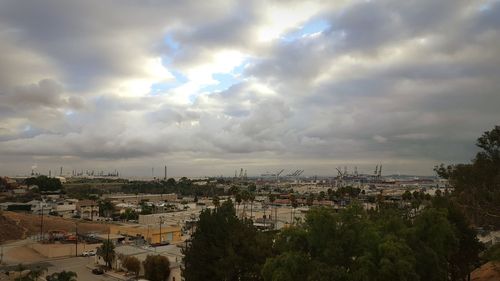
[78, 265]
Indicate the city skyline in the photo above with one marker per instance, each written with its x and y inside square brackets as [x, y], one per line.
[208, 88]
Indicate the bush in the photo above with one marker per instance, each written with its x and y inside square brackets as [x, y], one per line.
[132, 264]
[156, 268]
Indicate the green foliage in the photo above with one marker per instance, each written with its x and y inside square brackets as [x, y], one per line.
[129, 214]
[107, 252]
[33, 275]
[106, 208]
[225, 248]
[45, 183]
[477, 185]
[132, 264]
[289, 266]
[156, 268]
[183, 187]
[492, 253]
[62, 276]
[380, 245]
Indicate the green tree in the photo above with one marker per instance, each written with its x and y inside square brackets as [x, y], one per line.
[106, 208]
[289, 266]
[107, 252]
[407, 195]
[45, 183]
[156, 268]
[129, 214]
[477, 185]
[132, 264]
[62, 276]
[216, 201]
[233, 250]
[310, 199]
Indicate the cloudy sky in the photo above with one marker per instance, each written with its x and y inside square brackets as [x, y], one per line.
[207, 87]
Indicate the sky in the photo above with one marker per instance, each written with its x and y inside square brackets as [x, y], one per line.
[209, 87]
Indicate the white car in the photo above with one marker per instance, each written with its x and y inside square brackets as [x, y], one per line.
[89, 253]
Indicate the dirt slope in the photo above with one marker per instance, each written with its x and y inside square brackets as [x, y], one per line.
[15, 226]
[488, 272]
[9, 230]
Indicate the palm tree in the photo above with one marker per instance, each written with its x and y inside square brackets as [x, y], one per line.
[238, 199]
[107, 252]
[251, 198]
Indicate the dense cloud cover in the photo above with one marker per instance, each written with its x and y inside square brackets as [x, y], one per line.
[208, 87]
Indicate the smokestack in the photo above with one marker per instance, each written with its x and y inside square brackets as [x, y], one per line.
[165, 173]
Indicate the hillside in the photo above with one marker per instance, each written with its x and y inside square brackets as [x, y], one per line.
[9, 229]
[487, 272]
[15, 226]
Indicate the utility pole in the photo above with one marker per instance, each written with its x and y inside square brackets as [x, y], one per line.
[76, 240]
[41, 221]
[161, 221]
[107, 248]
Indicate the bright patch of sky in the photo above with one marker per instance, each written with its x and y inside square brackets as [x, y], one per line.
[310, 28]
[179, 80]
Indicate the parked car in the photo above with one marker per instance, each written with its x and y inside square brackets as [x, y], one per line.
[89, 253]
[97, 271]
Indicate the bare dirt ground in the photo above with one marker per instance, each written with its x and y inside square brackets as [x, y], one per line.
[9, 229]
[488, 272]
[22, 255]
[16, 226]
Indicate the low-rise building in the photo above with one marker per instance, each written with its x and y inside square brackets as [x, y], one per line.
[65, 208]
[171, 252]
[88, 209]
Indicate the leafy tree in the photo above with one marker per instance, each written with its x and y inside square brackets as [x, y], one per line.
[45, 183]
[492, 253]
[132, 264]
[233, 250]
[33, 275]
[107, 252]
[216, 201]
[289, 266]
[406, 195]
[477, 185]
[378, 245]
[156, 268]
[129, 214]
[310, 199]
[106, 208]
[62, 276]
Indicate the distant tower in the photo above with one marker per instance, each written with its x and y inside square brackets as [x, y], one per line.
[380, 171]
[60, 172]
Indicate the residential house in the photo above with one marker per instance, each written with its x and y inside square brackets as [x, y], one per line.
[88, 209]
